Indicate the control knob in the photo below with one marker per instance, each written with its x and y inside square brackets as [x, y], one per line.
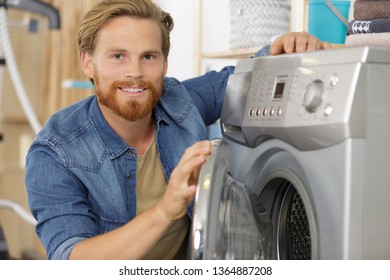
[313, 95]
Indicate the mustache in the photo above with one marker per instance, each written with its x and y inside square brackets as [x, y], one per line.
[125, 84]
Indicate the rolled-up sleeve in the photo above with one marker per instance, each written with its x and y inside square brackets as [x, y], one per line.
[58, 202]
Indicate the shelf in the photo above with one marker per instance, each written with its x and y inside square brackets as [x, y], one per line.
[239, 53]
[243, 53]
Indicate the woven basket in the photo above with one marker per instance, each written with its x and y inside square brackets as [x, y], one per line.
[256, 22]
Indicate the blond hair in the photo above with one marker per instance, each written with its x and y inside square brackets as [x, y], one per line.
[106, 10]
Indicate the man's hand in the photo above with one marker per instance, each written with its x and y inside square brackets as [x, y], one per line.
[136, 238]
[297, 42]
[182, 184]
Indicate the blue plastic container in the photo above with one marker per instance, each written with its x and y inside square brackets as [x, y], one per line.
[325, 24]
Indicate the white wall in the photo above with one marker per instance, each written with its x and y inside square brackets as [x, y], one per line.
[181, 58]
[215, 34]
[216, 25]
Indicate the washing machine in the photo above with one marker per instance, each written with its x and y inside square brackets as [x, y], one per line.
[302, 170]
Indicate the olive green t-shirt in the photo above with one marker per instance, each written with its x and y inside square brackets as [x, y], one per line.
[151, 185]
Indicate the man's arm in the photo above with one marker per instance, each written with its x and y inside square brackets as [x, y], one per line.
[136, 238]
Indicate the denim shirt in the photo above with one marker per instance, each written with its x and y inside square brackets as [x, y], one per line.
[81, 176]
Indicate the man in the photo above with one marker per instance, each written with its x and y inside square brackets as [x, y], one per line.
[113, 176]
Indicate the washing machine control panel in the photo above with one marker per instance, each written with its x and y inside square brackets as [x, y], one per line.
[305, 99]
[299, 97]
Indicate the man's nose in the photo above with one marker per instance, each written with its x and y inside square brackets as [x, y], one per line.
[134, 69]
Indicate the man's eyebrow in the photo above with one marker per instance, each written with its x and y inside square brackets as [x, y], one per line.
[120, 50]
[117, 50]
[153, 51]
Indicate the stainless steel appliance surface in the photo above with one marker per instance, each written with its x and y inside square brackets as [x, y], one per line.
[302, 169]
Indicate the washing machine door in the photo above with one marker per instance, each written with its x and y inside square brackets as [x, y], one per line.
[228, 221]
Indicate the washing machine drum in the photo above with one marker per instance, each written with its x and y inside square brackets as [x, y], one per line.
[233, 221]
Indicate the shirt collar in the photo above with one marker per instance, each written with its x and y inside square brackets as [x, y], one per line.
[113, 144]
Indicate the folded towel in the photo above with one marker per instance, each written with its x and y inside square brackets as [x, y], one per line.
[372, 39]
[379, 25]
[368, 10]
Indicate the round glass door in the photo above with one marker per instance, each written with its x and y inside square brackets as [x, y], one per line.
[228, 221]
[245, 231]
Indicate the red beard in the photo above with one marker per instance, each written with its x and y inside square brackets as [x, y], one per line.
[131, 110]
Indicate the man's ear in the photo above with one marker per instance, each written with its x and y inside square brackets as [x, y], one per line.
[86, 64]
[165, 66]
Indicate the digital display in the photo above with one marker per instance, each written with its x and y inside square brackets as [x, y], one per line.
[279, 87]
[278, 94]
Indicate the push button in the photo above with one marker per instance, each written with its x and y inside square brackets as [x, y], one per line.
[328, 110]
[280, 111]
[334, 80]
[251, 112]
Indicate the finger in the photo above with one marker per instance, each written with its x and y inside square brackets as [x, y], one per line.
[283, 44]
[204, 150]
[276, 47]
[189, 166]
[181, 175]
[199, 148]
[305, 42]
[194, 177]
[313, 44]
[326, 45]
[290, 43]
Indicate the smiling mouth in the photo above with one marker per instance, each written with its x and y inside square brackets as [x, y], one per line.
[133, 91]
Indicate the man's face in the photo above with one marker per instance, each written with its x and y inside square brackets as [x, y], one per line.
[128, 67]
